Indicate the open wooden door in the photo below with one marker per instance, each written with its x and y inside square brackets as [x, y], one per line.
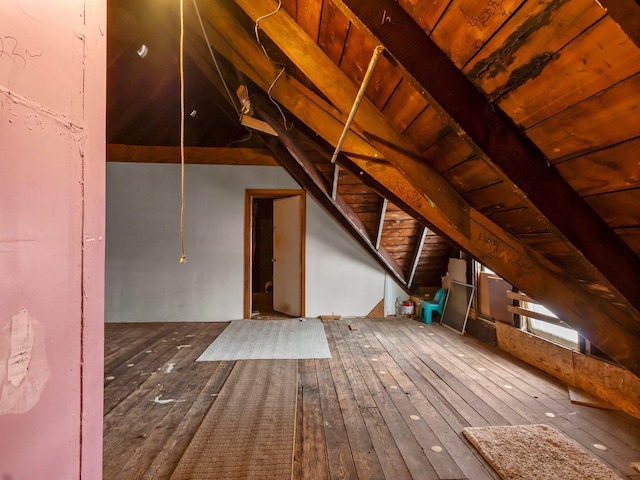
[287, 255]
[288, 252]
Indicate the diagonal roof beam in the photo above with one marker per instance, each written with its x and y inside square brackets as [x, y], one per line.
[298, 166]
[607, 325]
[303, 170]
[321, 70]
[503, 145]
[295, 161]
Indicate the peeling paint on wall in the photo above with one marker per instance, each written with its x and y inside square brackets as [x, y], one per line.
[24, 369]
[21, 347]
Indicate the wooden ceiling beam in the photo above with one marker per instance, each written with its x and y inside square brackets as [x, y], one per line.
[503, 146]
[484, 240]
[238, 47]
[336, 86]
[305, 172]
[193, 155]
[625, 13]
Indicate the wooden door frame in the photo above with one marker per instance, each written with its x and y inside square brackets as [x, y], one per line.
[248, 201]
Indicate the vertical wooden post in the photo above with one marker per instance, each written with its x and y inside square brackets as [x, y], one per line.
[417, 254]
[336, 178]
[383, 212]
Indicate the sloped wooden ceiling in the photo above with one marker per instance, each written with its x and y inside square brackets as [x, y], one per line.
[508, 128]
[143, 126]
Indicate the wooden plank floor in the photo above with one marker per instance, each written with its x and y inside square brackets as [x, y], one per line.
[390, 403]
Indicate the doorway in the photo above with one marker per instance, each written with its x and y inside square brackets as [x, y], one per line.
[274, 253]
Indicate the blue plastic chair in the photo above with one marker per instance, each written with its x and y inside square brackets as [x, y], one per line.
[433, 306]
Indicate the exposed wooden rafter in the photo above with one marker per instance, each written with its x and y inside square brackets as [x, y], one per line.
[193, 155]
[303, 170]
[377, 129]
[295, 161]
[606, 324]
[500, 142]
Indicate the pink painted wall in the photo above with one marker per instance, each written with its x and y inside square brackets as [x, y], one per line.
[52, 109]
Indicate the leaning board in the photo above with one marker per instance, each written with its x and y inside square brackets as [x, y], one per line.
[456, 308]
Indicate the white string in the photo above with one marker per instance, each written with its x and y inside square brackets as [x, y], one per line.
[243, 139]
[284, 119]
[215, 62]
[257, 26]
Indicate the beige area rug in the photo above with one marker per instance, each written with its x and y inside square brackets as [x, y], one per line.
[535, 452]
[249, 431]
[269, 339]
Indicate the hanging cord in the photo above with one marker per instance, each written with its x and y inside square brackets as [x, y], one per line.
[183, 258]
[257, 26]
[215, 62]
[284, 119]
[257, 31]
[243, 139]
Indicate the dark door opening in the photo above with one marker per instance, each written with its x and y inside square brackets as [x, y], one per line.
[262, 262]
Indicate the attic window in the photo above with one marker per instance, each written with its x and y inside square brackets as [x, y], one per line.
[483, 268]
[556, 333]
[542, 321]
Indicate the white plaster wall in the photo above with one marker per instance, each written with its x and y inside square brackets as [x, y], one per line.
[392, 292]
[145, 282]
[342, 278]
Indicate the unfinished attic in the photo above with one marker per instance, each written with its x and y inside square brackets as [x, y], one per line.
[320, 239]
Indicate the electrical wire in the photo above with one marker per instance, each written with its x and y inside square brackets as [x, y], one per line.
[284, 119]
[257, 26]
[257, 29]
[243, 139]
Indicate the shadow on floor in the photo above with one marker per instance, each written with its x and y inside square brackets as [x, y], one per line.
[262, 307]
